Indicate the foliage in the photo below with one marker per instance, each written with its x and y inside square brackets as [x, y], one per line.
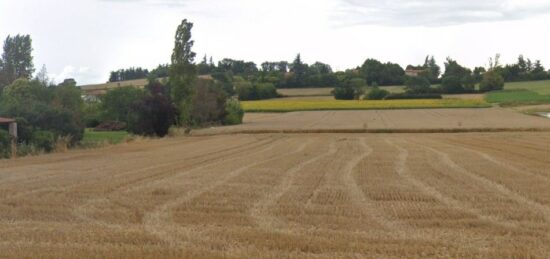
[382, 74]
[116, 103]
[40, 108]
[349, 88]
[457, 79]
[234, 113]
[417, 85]
[152, 115]
[492, 81]
[255, 91]
[17, 60]
[208, 104]
[523, 70]
[282, 105]
[377, 94]
[44, 140]
[128, 74]
[183, 72]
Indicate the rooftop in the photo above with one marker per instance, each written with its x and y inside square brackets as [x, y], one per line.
[6, 120]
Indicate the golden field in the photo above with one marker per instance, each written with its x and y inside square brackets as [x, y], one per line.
[284, 196]
[315, 104]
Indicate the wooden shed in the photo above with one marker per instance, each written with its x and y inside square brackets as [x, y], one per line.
[12, 125]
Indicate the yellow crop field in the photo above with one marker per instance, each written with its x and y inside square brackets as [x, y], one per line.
[283, 105]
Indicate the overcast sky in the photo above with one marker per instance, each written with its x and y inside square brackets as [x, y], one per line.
[85, 39]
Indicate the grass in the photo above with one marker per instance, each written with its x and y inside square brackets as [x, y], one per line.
[517, 97]
[540, 87]
[281, 105]
[99, 137]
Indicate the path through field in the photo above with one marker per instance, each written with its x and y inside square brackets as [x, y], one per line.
[284, 196]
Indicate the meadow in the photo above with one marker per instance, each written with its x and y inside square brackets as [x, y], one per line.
[92, 137]
[312, 104]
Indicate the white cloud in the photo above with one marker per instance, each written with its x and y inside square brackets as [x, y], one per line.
[435, 12]
[79, 73]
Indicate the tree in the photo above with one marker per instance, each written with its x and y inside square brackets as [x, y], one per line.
[298, 70]
[183, 72]
[152, 115]
[456, 79]
[116, 104]
[432, 69]
[417, 85]
[42, 77]
[382, 74]
[492, 81]
[349, 88]
[17, 59]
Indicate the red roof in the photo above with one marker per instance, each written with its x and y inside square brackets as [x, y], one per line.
[6, 120]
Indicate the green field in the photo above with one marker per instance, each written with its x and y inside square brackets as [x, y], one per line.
[282, 105]
[540, 87]
[102, 137]
[522, 93]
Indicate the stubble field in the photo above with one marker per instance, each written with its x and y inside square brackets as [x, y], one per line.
[284, 196]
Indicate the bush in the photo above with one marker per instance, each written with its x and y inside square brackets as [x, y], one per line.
[377, 94]
[111, 126]
[234, 113]
[43, 139]
[417, 85]
[208, 106]
[492, 81]
[400, 96]
[248, 91]
[152, 115]
[349, 88]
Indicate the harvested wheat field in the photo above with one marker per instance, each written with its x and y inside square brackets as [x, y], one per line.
[284, 196]
[420, 120]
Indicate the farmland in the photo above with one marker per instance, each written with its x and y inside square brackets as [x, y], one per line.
[294, 196]
[317, 104]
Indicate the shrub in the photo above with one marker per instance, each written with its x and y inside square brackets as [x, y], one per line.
[349, 88]
[248, 91]
[234, 113]
[491, 81]
[116, 103]
[152, 115]
[377, 94]
[43, 139]
[399, 96]
[208, 104]
[417, 85]
[111, 126]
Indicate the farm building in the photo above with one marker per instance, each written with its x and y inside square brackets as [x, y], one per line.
[12, 126]
[412, 71]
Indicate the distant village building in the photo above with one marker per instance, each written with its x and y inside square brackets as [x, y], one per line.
[414, 71]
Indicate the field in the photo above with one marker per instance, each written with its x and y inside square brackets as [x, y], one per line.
[540, 87]
[314, 104]
[284, 196]
[100, 137]
[517, 97]
[376, 121]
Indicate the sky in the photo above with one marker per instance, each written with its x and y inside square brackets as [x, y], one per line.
[86, 39]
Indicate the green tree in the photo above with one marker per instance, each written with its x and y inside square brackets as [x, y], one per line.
[17, 59]
[183, 72]
[417, 85]
[491, 81]
[116, 104]
[432, 69]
